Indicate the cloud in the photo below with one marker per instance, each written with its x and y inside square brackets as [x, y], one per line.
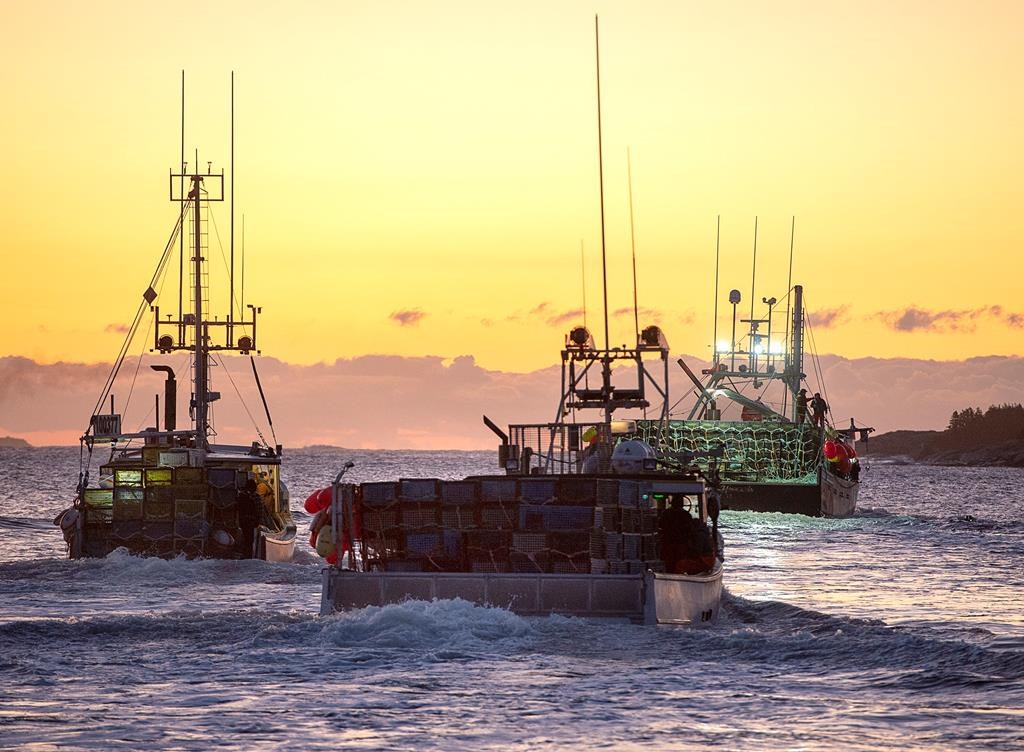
[116, 328]
[377, 401]
[408, 318]
[1015, 320]
[641, 312]
[914, 318]
[828, 317]
[573, 316]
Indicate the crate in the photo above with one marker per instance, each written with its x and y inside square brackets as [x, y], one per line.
[98, 497]
[629, 493]
[419, 515]
[123, 532]
[630, 521]
[387, 544]
[157, 476]
[156, 531]
[599, 566]
[561, 564]
[537, 490]
[648, 521]
[607, 493]
[189, 508]
[612, 546]
[127, 477]
[127, 510]
[379, 494]
[557, 517]
[459, 492]
[528, 543]
[222, 477]
[445, 544]
[499, 490]
[98, 515]
[498, 517]
[190, 527]
[618, 566]
[415, 489]
[598, 541]
[611, 518]
[458, 517]
[535, 563]
[151, 456]
[379, 520]
[158, 510]
[650, 550]
[488, 540]
[570, 543]
[223, 497]
[188, 475]
[580, 492]
[632, 545]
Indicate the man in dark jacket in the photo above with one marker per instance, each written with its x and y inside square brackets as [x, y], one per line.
[686, 544]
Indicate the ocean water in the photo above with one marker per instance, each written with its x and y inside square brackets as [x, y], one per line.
[900, 628]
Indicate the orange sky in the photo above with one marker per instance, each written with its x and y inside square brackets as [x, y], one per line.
[440, 159]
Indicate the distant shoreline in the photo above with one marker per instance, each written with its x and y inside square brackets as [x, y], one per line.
[919, 446]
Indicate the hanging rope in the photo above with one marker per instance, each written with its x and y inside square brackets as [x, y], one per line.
[148, 296]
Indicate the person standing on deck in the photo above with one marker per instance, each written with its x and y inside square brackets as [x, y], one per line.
[801, 407]
[818, 409]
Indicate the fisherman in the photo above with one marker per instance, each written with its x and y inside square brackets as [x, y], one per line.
[801, 407]
[818, 409]
[249, 506]
[686, 543]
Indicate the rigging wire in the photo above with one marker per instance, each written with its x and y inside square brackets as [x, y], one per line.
[115, 369]
[221, 363]
[814, 360]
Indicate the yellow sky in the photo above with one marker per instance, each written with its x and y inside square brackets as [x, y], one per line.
[441, 158]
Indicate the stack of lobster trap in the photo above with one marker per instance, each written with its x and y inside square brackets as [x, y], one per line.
[160, 511]
[552, 525]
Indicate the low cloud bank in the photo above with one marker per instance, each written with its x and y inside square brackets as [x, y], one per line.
[383, 401]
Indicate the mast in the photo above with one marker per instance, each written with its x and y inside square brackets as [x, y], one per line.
[231, 298]
[200, 365]
[632, 243]
[798, 345]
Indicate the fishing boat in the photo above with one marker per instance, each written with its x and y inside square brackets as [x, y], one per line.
[767, 454]
[170, 491]
[578, 546]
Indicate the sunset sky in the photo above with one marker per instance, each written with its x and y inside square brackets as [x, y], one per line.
[417, 178]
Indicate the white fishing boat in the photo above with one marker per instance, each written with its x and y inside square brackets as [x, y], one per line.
[536, 546]
[174, 491]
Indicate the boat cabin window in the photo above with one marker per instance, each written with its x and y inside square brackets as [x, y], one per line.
[268, 488]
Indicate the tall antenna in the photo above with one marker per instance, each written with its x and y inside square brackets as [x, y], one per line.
[600, 169]
[714, 340]
[789, 280]
[753, 278]
[583, 275]
[632, 241]
[241, 307]
[231, 299]
[181, 236]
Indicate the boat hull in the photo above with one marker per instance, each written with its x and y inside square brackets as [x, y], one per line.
[838, 496]
[651, 598]
[833, 497]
